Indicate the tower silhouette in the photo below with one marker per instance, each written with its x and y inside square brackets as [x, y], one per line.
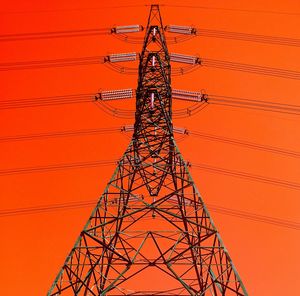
[150, 232]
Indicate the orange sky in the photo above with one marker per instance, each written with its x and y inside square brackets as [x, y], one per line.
[33, 247]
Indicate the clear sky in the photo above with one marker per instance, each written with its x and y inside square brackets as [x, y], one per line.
[33, 247]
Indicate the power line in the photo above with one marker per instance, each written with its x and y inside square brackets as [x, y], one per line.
[54, 34]
[47, 101]
[56, 167]
[255, 217]
[139, 40]
[71, 9]
[202, 32]
[178, 113]
[267, 39]
[82, 204]
[96, 131]
[263, 11]
[115, 112]
[245, 175]
[83, 33]
[255, 69]
[235, 9]
[277, 40]
[89, 98]
[226, 65]
[67, 133]
[254, 104]
[96, 163]
[46, 208]
[133, 71]
[247, 144]
[63, 62]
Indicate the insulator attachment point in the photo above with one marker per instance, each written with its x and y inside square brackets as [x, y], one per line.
[204, 98]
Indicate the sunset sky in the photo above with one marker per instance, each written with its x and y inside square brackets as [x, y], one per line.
[34, 245]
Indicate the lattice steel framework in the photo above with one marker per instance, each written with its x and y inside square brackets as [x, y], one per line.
[150, 233]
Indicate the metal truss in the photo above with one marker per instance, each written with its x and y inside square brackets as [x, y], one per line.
[150, 233]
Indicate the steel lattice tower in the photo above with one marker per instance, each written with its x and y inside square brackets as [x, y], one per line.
[150, 233]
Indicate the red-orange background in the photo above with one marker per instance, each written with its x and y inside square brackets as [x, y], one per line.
[33, 247]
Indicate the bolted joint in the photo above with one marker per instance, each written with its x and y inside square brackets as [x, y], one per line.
[204, 98]
[106, 59]
[198, 61]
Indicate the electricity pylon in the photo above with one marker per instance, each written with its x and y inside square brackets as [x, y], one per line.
[150, 232]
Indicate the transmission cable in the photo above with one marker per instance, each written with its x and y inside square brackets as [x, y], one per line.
[54, 34]
[213, 99]
[139, 39]
[176, 114]
[73, 9]
[66, 133]
[268, 39]
[56, 167]
[115, 112]
[129, 128]
[255, 69]
[234, 9]
[253, 104]
[96, 163]
[176, 71]
[63, 62]
[39, 209]
[255, 11]
[47, 101]
[247, 144]
[248, 68]
[231, 35]
[90, 98]
[277, 40]
[244, 175]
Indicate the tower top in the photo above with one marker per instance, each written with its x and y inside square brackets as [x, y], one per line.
[154, 18]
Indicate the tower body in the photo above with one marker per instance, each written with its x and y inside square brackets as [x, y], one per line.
[150, 232]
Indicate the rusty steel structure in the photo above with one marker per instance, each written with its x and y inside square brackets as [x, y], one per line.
[150, 232]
